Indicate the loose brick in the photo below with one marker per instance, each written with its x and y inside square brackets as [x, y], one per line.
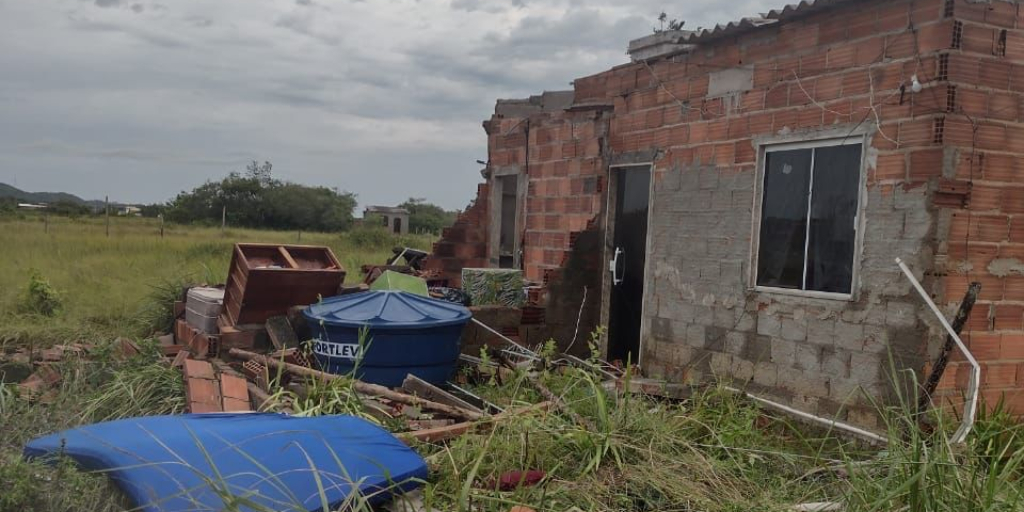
[1009, 317]
[1012, 347]
[999, 375]
[983, 346]
[199, 370]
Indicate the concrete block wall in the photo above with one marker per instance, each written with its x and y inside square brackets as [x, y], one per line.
[984, 147]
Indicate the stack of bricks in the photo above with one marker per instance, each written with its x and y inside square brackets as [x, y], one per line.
[206, 391]
[199, 344]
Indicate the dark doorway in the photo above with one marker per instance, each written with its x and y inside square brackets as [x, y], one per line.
[509, 210]
[398, 225]
[629, 256]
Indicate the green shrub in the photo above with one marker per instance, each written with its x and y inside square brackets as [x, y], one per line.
[371, 237]
[40, 297]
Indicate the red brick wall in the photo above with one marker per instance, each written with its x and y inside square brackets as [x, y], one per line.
[564, 173]
[984, 136]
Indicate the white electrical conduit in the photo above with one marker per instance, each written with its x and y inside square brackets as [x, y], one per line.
[525, 351]
[859, 432]
[971, 407]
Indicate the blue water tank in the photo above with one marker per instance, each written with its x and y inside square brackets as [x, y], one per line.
[405, 333]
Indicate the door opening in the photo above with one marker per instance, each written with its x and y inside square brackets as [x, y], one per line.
[509, 209]
[628, 261]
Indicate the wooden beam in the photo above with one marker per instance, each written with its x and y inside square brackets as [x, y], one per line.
[287, 257]
[364, 388]
[435, 435]
[423, 389]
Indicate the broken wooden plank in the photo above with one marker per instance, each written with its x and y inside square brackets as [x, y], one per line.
[281, 333]
[288, 257]
[435, 435]
[258, 398]
[423, 389]
[361, 387]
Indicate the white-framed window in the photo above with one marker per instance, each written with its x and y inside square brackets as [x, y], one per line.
[807, 223]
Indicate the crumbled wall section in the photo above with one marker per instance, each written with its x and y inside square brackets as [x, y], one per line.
[984, 242]
[564, 173]
[463, 245]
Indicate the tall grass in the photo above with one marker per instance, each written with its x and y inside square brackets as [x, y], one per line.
[103, 282]
[923, 471]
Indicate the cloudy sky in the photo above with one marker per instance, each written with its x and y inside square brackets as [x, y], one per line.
[140, 99]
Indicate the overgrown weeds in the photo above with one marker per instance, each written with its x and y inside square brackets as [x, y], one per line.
[642, 455]
[134, 391]
[923, 471]
[41, 298]
[156, 314]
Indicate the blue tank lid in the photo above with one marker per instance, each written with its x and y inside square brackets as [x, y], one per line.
[387, 309]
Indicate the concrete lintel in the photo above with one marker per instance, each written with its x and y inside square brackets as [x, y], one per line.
[506, 170]
[839, 131]
[636, 157]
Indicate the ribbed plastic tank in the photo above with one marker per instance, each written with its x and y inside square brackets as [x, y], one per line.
[405, 334]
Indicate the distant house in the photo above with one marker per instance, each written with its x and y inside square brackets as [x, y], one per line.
[31, 206]
[130, 211]
[394, 218]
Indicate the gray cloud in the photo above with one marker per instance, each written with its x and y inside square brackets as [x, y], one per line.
[139, 99]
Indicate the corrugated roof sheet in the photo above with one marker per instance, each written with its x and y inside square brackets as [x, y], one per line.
[772, 17]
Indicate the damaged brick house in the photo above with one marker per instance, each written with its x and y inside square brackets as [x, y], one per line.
[731, 202]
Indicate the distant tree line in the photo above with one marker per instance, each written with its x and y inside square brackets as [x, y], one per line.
[63, 208]
[255, 199]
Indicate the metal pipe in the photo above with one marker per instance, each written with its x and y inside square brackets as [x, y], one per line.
[526, 352]
[971, 407]
[811, 417]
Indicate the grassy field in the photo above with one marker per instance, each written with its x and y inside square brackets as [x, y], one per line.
[104, 283]
[602, 450]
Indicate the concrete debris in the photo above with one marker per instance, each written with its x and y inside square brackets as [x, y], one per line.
[825, 506]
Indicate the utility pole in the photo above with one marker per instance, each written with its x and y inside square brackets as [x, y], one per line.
[223, 218]
[106, 210]
[161, 225]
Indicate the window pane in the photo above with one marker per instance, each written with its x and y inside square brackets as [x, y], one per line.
[780, 260]
[833, 212]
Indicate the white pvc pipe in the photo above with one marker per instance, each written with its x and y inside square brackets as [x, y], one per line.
[526, 352]
[971, 407]
[811, 417]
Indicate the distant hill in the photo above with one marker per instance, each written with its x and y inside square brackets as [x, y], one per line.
[44, 197]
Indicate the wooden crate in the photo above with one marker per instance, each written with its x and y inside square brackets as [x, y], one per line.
[264, 280]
